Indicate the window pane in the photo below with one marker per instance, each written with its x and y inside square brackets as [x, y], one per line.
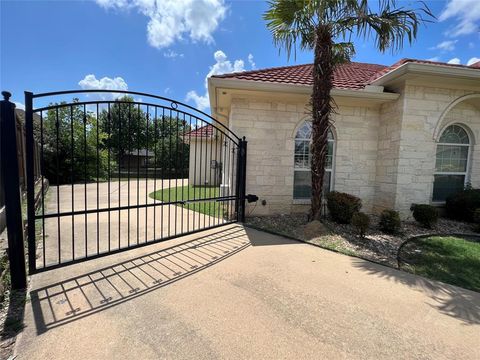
[305, 131]
[454, 134]
[451, 158]
[302, 184]
[329, 159]
[446, 185]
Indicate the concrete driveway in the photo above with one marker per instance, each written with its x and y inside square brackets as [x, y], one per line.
[237, 293]
[73, 237]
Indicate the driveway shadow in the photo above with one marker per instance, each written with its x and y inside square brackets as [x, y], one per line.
[450, 300]
[81, 296]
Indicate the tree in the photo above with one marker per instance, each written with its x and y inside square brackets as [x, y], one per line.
[72, 145]
[327, 27]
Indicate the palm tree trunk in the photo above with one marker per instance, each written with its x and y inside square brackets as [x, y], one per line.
[321, 103]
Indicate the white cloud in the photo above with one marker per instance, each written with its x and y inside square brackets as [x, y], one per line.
[222, 66]
[455, 61]
[90, 82]
[447, 45]
[471, 45]
[465, 13]
[250, 61]
[19, 105]
[172, 54]
[171, 20]
[472, 61]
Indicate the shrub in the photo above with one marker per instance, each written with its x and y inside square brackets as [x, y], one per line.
[342, 206]
[462, 205]
[390, 222]
[476, 219]
[361, 222]
[426, 215]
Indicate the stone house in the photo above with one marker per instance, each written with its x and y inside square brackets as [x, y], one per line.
[401, 134]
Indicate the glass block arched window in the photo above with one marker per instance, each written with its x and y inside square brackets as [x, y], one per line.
[451, 163]
[302, 178]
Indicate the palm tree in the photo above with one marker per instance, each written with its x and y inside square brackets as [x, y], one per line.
[327, 27]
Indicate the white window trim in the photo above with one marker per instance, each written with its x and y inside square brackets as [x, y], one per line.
[307, 201]
[467, 171]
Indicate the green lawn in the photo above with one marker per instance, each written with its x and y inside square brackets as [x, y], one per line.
[449, 259]
[211, 208]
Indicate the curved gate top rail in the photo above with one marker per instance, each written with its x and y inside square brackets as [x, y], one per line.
[174, 104]
[125, 177]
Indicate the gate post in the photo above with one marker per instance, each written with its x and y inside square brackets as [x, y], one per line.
[13, 200]
[242, 177]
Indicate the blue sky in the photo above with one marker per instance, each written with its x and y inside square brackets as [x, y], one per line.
[170, 48]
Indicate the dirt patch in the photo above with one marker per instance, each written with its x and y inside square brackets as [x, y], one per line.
[376, 246]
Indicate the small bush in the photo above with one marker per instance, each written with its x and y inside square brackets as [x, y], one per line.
[476, 219]
[342, 206]
[361, 222]
[462, 205]
[390, 222]
[426, 215]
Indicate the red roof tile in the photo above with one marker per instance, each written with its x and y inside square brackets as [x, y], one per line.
[204, 131]
[353, 75]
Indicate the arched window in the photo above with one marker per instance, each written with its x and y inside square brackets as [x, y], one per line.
[451, 164]
[302, 178]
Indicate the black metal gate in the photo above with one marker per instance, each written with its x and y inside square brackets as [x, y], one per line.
[120, 172]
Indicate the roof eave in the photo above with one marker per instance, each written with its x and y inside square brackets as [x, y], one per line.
[426, 69]
[239, 84]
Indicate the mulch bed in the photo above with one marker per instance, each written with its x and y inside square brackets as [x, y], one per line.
[376, 246]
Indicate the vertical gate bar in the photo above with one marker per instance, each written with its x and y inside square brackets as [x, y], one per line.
[224, 177]
[42, 169]
[85, 174]
[146, 177]
[98, 175]
[72, 152]
[194, 169]
[241, 178]
[109, 173]
[176, 172]
[217, 167]
[205, 180]
[138, 173]
[12, 195]
[210, 178]
[57, 128]
[130, 152]
[169, 166]
[199, 139]
[155, 139]
[189, 162]
[162, 161]
[32, 263]
[182, 155]
[119, 155]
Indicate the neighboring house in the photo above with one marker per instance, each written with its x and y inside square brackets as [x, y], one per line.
[136, 158]
[205, 159]
[401, 134]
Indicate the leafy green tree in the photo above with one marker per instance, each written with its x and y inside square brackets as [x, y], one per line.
[172, 150]
[72, 145]
[327, 26]
[125, 122]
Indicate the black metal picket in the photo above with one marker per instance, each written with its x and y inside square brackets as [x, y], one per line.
[151, 147]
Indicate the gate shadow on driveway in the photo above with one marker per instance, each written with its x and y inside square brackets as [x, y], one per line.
[81, 296]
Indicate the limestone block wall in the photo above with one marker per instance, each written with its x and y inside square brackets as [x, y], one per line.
[423, 107]
[269, 124]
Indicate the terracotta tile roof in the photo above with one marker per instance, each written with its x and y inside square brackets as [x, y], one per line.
[204, 131]
[354, 75]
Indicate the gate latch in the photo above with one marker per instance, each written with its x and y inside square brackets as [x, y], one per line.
[251, 198]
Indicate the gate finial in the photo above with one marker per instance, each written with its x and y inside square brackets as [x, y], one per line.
[6, 95]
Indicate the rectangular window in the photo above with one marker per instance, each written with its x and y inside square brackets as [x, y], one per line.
[446, 185]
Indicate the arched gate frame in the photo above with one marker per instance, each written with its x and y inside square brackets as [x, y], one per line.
[118, 174]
